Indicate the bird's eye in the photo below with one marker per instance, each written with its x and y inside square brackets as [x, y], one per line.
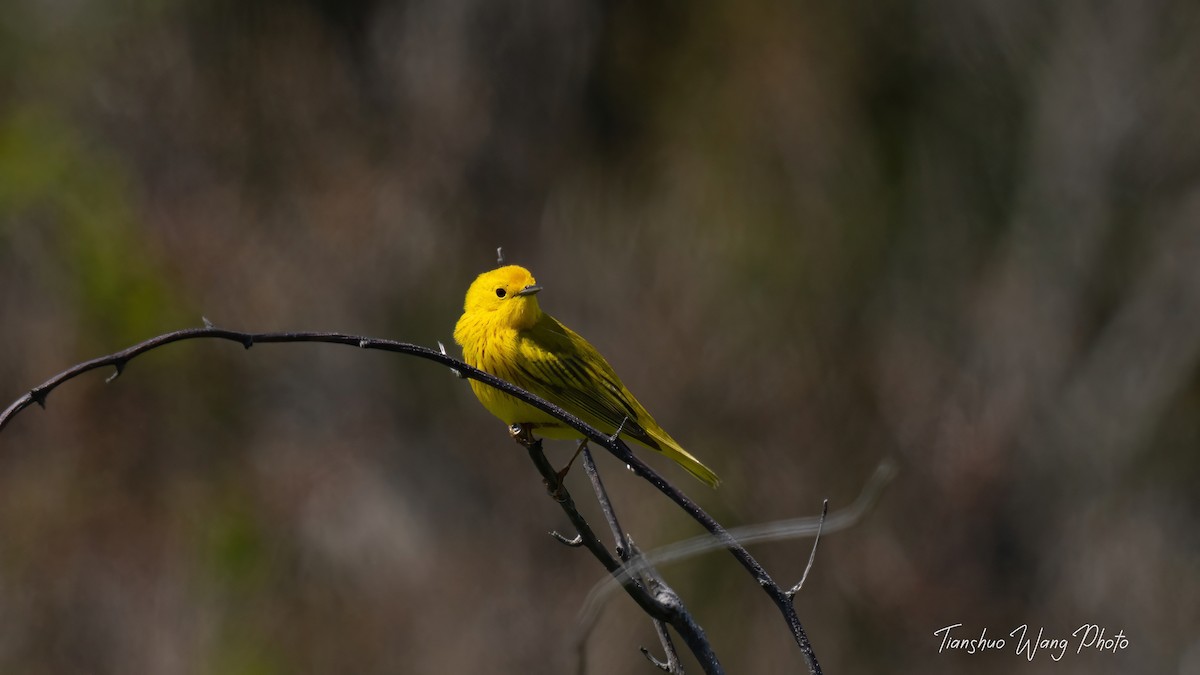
[499, 292]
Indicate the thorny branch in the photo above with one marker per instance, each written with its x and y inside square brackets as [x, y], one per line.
[614, 445]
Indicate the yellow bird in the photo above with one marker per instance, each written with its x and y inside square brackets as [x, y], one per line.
[504, 332]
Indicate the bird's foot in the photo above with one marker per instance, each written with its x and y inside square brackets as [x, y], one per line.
[522, 432]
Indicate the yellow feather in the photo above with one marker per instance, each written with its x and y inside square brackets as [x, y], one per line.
[504, 332]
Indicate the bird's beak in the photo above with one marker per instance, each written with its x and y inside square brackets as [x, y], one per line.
[529, 290]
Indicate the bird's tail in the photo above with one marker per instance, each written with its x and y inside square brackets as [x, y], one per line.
[668, 447]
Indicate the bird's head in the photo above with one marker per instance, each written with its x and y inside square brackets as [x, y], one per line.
[506, 295]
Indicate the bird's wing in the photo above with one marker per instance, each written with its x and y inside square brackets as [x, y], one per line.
[563, 368]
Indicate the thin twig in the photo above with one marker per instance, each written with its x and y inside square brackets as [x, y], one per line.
[672, 665]
[812, 555]
[589, 467]
[661, 665]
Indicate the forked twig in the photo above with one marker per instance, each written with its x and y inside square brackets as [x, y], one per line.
[658, 601]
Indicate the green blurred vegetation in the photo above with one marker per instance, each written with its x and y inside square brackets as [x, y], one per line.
[80, 198]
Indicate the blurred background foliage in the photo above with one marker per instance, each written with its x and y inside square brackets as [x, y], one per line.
[810, 235]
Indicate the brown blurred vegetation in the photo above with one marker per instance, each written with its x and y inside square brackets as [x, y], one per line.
[810, 235]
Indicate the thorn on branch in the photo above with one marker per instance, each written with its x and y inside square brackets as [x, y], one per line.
[362, 344]
[661, 665]
[499, 255]
[617, 433]
[556, 492]
[573, 543]
[457, 372]
[118, 368]
[207, 323]
[248, 341]
[39, 397]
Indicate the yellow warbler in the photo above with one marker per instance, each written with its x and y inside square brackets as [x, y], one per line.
[504, 332]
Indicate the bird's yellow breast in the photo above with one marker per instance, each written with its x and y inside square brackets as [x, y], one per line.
[496, 350]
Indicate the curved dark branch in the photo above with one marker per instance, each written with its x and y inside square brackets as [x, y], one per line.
[614, 445]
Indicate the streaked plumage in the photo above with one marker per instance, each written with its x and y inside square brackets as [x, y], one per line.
[504, 332]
